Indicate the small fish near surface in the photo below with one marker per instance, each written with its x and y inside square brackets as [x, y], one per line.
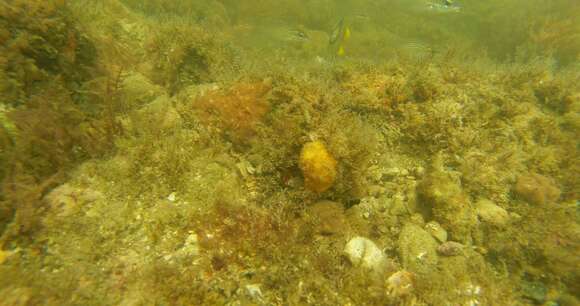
[338, 38]
[298, 35]
[443, 6]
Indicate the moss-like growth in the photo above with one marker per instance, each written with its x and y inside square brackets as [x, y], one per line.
[537, 189]
[150, 153]
[39, 43]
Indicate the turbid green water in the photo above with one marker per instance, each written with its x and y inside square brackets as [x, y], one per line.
[319, 152]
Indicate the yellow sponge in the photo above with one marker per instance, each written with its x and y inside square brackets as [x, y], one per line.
[318, 166]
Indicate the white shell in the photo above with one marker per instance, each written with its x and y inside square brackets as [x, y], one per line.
[365, 253]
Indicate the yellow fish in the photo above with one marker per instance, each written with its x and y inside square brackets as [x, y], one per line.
[338, 38]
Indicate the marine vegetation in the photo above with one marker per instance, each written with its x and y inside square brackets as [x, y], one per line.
[221, 152]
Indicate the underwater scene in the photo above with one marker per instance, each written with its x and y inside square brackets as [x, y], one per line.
[290, 152]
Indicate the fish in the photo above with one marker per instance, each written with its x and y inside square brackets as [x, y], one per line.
[297, 34]
[338, 38]
[444, 6]
[416, 50]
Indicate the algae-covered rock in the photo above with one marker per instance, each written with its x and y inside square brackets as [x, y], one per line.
[491, 213]
[443, 195]
[330, 217]
[417, 249]
[537, 189]
[157, 115]
[66, 199]
[400, 284]
[138, 90]
[437, 231]
[450, 248]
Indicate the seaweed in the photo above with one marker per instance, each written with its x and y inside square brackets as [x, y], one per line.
[150, 153]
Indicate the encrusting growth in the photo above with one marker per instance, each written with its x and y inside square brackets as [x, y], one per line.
[318, 166]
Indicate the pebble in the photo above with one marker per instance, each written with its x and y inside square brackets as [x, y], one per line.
[400, 284]
[450, 248]
[491, 213]
[171, 197]
[437, 231]
[254, 291]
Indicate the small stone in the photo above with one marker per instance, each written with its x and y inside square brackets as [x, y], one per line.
[450, 248]
[491, 213]
[392, 172]
[254, 291]
[400, 284]
[190, 248]
[437, 231]
[364, 252]
[419, 171]
[171, 197]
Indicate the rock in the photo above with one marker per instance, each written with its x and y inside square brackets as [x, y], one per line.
[400, 284]
[438, 232]
[172, 197]
[364, 252]
[417, 249]
[329, 217]
[67, 200]
[139, 90]
[441, 192]
[159, 114]
[254, 291]
[450, 248]
[491, 213]
[189, 251]
[537, 189]
[171, 119]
